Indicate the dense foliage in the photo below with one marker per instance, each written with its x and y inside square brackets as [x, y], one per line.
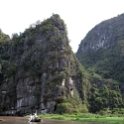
[102, 54]
[43, 49]
[5, 68]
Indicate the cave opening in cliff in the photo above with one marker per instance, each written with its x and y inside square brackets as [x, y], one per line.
[55, 107]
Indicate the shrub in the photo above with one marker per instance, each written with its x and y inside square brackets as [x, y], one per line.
[64, 108]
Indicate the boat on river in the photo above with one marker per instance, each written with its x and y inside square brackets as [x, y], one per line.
[35, 120]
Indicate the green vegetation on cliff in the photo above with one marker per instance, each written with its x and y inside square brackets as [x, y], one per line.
[43, 73]
[39, 71]
[101, 52]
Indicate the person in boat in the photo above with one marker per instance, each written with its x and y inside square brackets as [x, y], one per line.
[31, 117]
[35, 116]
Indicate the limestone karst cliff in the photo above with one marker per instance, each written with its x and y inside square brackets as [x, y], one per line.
[104, 44]
[102, 54]
[42, 74]
[39, 72]
[104, 35]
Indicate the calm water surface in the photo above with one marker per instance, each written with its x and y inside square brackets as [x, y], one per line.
[24, 120]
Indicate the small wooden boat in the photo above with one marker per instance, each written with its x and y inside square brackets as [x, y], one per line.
[36, 120]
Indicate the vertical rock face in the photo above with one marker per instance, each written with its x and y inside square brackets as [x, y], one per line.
[44, 70]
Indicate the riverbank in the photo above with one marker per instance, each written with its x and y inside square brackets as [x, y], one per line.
[84, 117]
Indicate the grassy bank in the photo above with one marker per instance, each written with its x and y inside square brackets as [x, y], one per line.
[85, 117]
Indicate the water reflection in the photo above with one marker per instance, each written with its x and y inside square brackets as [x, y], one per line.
[32, 123]
[23, 120]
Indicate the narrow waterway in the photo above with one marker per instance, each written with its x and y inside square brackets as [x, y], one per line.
[24, 120]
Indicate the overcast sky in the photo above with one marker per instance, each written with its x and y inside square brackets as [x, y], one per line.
[80, 16]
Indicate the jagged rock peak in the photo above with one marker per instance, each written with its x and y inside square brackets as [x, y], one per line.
[42, 69]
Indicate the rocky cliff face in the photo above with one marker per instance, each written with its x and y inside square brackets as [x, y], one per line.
[102, 54]
[104, 35]
[42, 72]
[104, 45]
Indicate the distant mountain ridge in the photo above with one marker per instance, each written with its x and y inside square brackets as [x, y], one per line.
[101, 52]
[102, 42]
[103, 35]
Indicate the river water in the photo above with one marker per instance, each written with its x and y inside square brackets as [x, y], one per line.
[24, 120]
